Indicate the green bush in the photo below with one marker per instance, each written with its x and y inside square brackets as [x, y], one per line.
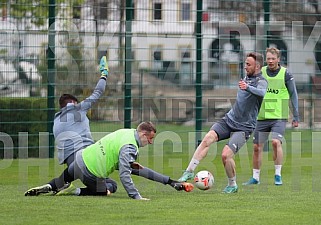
[23, 115]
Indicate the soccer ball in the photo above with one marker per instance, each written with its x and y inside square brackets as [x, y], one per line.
[204, 180]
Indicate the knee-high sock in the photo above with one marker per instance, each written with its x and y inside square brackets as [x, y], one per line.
[59, 182]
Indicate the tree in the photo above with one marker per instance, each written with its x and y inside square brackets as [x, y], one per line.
[35, 11]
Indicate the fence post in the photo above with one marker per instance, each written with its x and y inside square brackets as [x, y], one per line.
[51, 77]
[128, 64]
[266, 7]
[198, 85]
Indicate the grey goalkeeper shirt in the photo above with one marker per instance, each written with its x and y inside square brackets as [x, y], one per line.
[248, 102]
[71, 124]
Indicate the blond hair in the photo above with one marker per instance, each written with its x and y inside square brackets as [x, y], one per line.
[273, 51]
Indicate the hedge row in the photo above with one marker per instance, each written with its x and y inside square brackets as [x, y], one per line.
[22, 115]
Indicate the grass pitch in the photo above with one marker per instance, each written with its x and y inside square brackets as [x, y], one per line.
[297, 201]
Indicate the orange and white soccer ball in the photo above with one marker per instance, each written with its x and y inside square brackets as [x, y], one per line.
[204, 180]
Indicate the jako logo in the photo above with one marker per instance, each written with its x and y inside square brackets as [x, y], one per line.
[269, 90]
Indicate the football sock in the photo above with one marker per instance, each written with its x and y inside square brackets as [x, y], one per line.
[172, 182]
[256, 174]
[59, 182]
[77, 191]
[53, 185]
[278, 169]
[192, 165]
[232, 181]
[88, 192]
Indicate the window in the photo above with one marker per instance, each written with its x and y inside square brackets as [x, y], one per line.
[157, 11]
[76, 11]
[103, 10]
[185, 11]
[213, 5]
[157, 57]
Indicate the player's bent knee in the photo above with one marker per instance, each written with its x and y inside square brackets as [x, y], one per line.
[276, 143]
[256, 148]
[111, 185]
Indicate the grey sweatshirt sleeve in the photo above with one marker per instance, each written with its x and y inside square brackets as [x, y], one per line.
[290, 85]
[127, 155]
[98, 91]
[151, 175]
[260, 90]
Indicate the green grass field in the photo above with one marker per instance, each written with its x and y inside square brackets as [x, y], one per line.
[296, 202]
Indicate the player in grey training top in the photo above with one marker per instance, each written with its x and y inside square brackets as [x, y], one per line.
[72, 132]
[238, 123]
[71, 124]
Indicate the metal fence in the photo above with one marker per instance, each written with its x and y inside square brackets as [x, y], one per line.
[170, 61]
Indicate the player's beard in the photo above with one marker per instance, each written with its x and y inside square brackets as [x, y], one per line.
[250, 74]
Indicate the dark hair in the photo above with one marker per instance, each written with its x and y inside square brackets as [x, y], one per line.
[146, 126]
[66, 98]
[257, 56]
